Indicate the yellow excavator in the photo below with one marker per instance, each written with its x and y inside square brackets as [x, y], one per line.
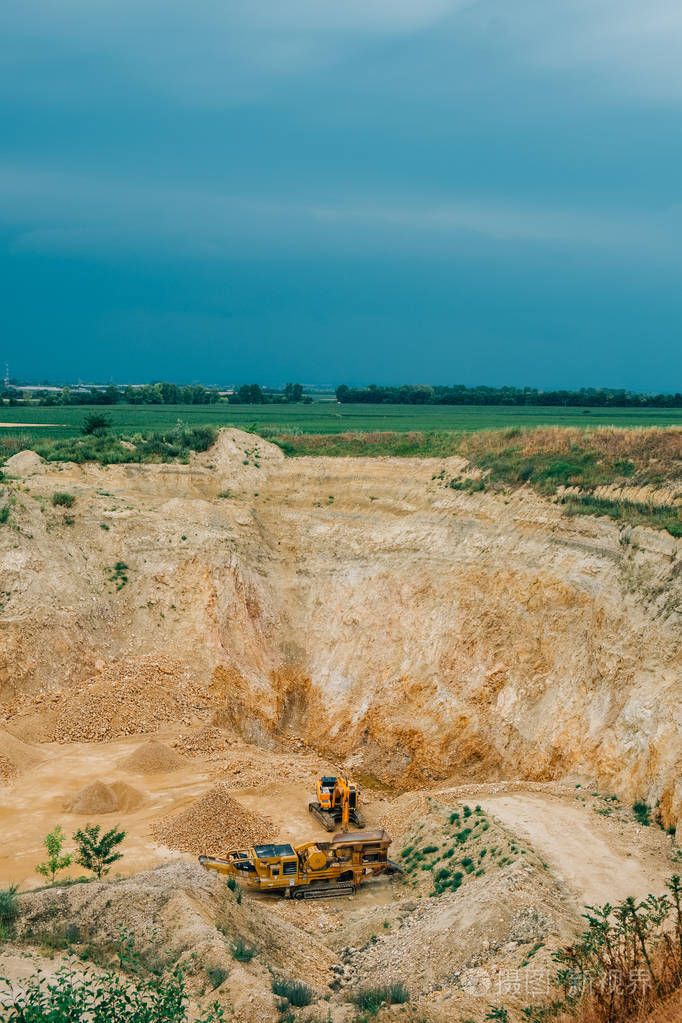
[338, 803]
[314, 870]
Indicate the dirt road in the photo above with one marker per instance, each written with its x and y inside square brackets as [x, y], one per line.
[582, 849]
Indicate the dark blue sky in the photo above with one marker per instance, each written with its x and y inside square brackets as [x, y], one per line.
[388, 190]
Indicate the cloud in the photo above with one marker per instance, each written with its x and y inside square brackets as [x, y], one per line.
[207, 52]
[630, 46]
[54, 212]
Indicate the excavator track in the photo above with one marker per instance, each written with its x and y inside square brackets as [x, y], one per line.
[325, 819]
[322, 891]
[332, 821]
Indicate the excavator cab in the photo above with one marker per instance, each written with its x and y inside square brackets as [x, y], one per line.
[338, 803]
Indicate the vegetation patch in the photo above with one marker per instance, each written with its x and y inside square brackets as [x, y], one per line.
[295, 992]
[371, 999]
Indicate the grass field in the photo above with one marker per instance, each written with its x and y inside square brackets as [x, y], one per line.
[323, 416]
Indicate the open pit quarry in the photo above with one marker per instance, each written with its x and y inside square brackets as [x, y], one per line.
[186, 647]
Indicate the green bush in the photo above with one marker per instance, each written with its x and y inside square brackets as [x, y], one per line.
[216, 975]
[69, 998]
[4, 513]
[242, 952]
[295, 992]
[642, 813]
[59, 498]
[370, 999]
[9, 908]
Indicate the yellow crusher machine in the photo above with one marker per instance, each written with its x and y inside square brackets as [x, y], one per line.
[314, 870]
[338, 803]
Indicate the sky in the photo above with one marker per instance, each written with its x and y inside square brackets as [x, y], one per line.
[389, 191]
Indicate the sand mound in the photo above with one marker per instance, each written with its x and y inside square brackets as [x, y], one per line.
[101, 798]
[212, 825]
[23, 462]
[8, 770]
[94, 798]
[153, 758]
[128, 798]
[16, 757]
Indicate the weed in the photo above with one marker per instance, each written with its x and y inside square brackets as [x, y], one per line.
[216, 975]
[9, 908]
[59, 498]
[4, 513]
[295, 992]
[118, 575]
[642, 813]
[242, 952]
[371, 999]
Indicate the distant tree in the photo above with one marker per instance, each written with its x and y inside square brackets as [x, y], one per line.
[95, 423]
[170, 393]
[293, 392]
[66, 397]
[97, 853]
[112, 395]
[56, 861]
[341, 392]
[250, 394]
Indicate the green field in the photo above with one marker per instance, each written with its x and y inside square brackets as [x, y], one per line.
[322, 416]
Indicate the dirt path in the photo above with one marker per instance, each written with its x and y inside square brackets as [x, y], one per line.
[580, 848]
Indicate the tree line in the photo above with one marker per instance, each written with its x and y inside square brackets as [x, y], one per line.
[158, 394]
[459, 394]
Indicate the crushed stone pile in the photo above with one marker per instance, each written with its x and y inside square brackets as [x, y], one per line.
[153, 758]
[98, 797]
[126, 698]
[212, 825]
[204, 743]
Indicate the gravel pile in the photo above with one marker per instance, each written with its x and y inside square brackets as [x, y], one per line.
[213, 825]
[153, 758]
[207, 741]
[128, 698]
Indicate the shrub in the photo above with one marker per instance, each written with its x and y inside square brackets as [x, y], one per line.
[232, 883]
[4, 513]
[95, 853]
[59, 498]
[216, 975]
[429, 849]
[9, 908]
[370, 999]
[642, 812]
[638, 942]
[67, 997]
[95, 423]
[242, 952]
[295, 992]
[118, 575]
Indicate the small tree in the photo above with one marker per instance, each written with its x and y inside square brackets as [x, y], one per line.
[95, 853]
[96, 423]
[54, 842]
